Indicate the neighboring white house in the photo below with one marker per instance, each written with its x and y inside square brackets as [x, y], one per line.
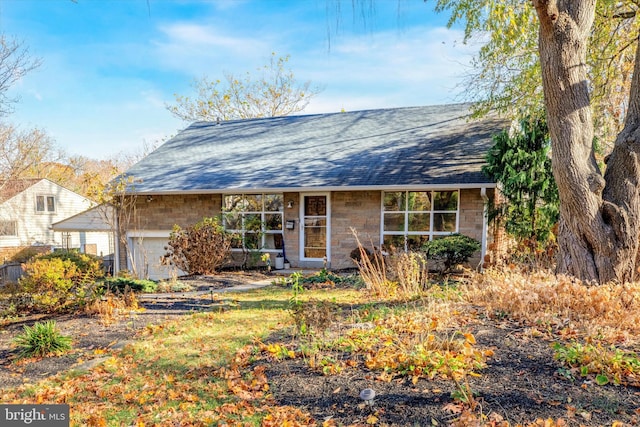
[29, 207]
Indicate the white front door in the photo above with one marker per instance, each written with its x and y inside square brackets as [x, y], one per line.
[316, 226]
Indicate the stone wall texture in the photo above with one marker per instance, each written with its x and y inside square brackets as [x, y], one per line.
[357, 211]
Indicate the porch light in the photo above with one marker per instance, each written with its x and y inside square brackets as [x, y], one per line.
[289, 204]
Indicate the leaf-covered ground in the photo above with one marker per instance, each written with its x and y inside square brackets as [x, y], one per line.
[479, 352]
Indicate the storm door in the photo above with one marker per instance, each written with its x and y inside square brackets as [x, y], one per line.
[316, 226]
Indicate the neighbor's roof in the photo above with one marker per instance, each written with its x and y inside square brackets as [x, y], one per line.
[400, 147]
[97, 218]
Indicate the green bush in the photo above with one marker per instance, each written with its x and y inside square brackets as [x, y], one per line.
[119, 284]
[451, 250]
[89, 266]
[60, 280]
[41, 339]
[50, 282]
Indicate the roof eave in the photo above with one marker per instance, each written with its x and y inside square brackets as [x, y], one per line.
[317, 189]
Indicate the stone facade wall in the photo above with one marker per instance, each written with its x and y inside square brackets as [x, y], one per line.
[349, 209]
[292, 236]
[359, 210]
[471, 217]
[160, 213]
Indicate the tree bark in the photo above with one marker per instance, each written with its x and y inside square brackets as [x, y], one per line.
[598, 230]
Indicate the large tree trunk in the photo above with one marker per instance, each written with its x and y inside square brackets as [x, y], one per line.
[598, 233]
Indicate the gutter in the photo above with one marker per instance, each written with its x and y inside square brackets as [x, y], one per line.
[249, 190]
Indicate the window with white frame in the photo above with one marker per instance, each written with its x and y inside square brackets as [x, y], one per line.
[45, 203]
[410, 218]
[256, 219]
[8, 228]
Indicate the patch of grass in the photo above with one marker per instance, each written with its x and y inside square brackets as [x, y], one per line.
[42, 339]
[194, 371]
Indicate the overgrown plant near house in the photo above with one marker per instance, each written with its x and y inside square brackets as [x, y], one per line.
[89, 266]
[61, 280]
[201, 248]
[402, 275]
[520, 163]
[451, 251]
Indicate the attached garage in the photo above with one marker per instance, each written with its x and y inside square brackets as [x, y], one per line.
[147, 249]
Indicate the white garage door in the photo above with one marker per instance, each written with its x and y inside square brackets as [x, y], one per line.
[147, 253]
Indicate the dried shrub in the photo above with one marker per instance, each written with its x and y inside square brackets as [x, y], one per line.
[401, 276]
[571, 307]
[373, 271]
[201, 248]
[111, 305]
[410, 271]
[313, 315]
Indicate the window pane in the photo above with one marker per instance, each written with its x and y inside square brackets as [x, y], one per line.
[315, 241]
[232, 221]
[252, 241]
[419, 201]
[233, 202]
[393, 243]
[253, 202]
[236, 241]
[273, 241]
[8, 228]
[273, 221]
[444, 222]
[414, 243]
[252, 222]
[315, 206]
[393, 222]
[51, 206]
[315, 222]
[394, 201]
[419, 221]
[40, 203]
[445, 201]
[273, 202]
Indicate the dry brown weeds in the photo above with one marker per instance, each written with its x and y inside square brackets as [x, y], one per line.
[608, 313]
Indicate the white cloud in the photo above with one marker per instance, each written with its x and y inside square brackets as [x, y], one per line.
[417, 67]
[197, 49]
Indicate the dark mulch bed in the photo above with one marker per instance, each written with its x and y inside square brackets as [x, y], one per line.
[521, 383]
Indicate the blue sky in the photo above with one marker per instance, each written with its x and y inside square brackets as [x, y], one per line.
[109, 67]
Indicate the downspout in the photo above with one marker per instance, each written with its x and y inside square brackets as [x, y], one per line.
[116, 244]
[485, 225]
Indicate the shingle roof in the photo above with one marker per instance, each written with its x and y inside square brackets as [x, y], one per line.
[415, 146]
